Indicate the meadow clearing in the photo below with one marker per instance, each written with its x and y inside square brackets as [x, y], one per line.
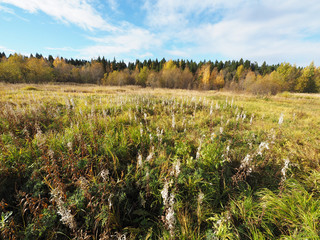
[92, 162]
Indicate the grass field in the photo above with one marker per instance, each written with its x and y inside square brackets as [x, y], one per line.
[90, 162]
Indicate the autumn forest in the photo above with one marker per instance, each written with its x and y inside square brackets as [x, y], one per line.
[242, 75]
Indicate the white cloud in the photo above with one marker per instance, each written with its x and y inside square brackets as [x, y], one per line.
[257, 30]
[69, 49]
[6, 50]
[179, 53]
[130, 40]
[113, 4]
[279, 34]
[78, 12]
[11, 12]
[6, 10]
[180, 13]
[145, 55]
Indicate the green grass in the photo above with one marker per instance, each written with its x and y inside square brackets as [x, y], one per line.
[97, 162]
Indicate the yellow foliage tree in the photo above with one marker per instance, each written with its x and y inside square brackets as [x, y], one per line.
[153, 79]
[218, 82]
[248, 81]
[169, 65]
[239, 73]
[96, 72]
[266, 85]
[205, 76]
[38, 70]
[307, 81]
[141, 78]
[62, 70]
[185, 79]
[12, 70]
[169, 75]
[288, 75]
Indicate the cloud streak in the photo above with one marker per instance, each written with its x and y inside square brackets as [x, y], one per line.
[68, 49]
[130, 40]
[7, 50]
[78, 12]
[6, 10]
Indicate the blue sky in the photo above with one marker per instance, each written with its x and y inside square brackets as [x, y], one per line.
[259, 30]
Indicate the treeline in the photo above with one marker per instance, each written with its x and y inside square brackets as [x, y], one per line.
[207, 75]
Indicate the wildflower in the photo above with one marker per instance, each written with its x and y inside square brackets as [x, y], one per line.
[221, 130]
[245, 161]
[159, 134]
[244, 117]
[198, 151]
[105, 174]
[69, 145]
[280, 119]
[284, 169]
[83, 183]
[110, 200]
[150, 137]
[121, 236]
[139, 160]
[164, 193]
[177, 168]
[219, 222]
[170, 218]
[173, 121]
[65, 213]
[245, 164]
[66, 217]
[251, 119]
[213, 135]
[200, 197]
[150, 156]
[262, 146]
[227, 149]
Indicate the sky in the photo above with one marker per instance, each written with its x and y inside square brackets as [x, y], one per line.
[257, 30]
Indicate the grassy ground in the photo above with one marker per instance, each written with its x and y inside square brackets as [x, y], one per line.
[90, 162]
